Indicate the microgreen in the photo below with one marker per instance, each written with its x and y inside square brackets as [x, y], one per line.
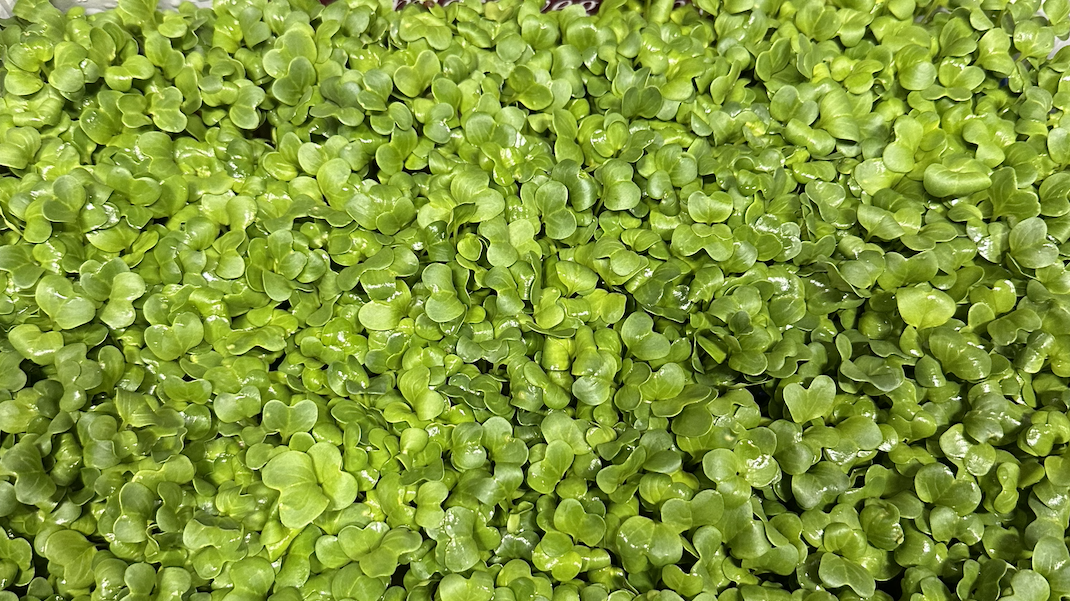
[740, 300]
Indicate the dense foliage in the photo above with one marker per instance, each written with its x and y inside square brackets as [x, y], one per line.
[763, 302]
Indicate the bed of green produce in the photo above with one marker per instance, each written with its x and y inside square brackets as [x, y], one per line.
[766, 301]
